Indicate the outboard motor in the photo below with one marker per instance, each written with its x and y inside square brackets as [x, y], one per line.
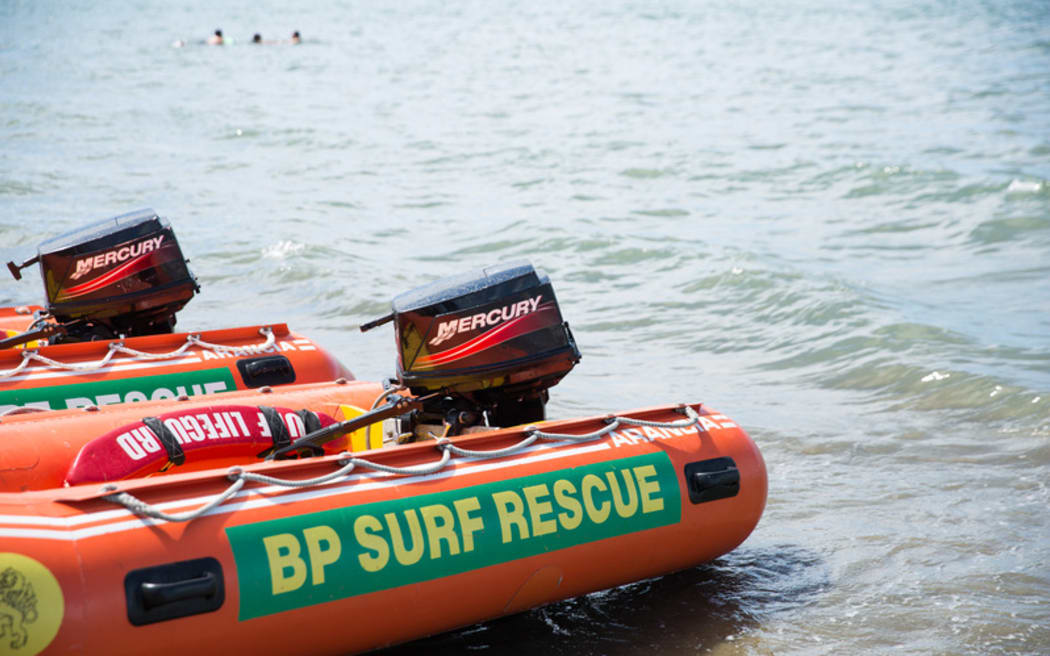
[484, 345]
[120, 276]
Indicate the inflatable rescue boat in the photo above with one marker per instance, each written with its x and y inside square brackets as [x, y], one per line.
[107, 333]
[338, 517]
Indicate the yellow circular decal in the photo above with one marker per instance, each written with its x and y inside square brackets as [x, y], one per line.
[31, 605]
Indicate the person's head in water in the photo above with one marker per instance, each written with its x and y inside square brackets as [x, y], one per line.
[295, 37]
[257, 38]
[215, 39]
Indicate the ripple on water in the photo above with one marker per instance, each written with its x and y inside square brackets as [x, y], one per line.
[687, 612]
[783, 235]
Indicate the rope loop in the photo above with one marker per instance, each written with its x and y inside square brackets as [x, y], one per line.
[692, 419]
[310, 482]
[140, 507]
[118, 346]
[265, 331]
[26, 357]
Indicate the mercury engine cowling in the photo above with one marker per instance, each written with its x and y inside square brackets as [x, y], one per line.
[494, 340]
[120, 276]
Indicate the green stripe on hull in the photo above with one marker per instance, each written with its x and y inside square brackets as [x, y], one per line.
[309, 559]
[121, 390]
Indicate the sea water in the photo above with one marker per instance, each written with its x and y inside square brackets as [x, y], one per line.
[830, 221]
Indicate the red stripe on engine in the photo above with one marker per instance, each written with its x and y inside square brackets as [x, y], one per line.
[129, 268]
[484, 341]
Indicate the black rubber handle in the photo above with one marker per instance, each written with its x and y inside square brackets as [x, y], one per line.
[173, 590]
[155, 595]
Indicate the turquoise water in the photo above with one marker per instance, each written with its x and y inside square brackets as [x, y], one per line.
[831, 222]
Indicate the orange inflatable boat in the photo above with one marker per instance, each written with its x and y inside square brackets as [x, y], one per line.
[106, 335]
[333, 518]
[410, 540]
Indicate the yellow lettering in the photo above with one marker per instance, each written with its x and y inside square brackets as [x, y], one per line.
[438, 531]
[282, 551]
[403, 555]
[537, 509]
[562, 491]
[598, 514]
[365, 529]
[317, 536]
[511, 513]
[623, 508]
[468, 525]
[648, 488]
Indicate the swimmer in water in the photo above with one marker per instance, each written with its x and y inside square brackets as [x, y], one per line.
[295, 37]
[257, 38]
[215, 39]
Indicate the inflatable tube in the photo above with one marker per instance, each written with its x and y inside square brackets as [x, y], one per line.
[159, 367]
[154, 444]
[46, 450]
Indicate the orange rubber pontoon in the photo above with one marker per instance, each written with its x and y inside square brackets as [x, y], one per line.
[366, 549]
[160, 367]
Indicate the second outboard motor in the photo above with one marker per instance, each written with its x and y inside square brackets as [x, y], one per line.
[119, 276]
[493, 340]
